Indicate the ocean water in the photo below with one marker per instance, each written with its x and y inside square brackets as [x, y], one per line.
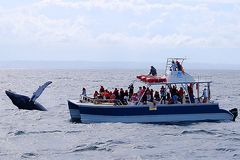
[51, 135]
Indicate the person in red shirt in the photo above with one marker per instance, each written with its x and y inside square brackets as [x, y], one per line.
[106, 94]
[112, 97]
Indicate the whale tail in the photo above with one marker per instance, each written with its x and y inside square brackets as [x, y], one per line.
[39, 91]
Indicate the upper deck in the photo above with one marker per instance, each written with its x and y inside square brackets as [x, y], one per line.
[174, 74]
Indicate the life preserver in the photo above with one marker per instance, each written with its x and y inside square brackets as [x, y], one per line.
[156, 79]
[152, 79]
[162, 79]
[140, 77]
[144, 78]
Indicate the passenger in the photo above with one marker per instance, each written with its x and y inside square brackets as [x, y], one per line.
[112, 97]
[106, 94]
[144, 97]
[103, 95]
[134, 98]
[173, 67]
[121, 95]
[181, 95]
[163, 95]
[190, 92]
[95, 95]
[126, 93]
[152, 92]
[169, 99]
[157, 96]
[205, 96]
[131, 90]
[126, 97]
[153, 71]
[116, 93]
[179, 66]
[84, 92]
[110, 94]
[143, 90]
[139, 91]
[101, 90]
[174, 94]
[148, 95]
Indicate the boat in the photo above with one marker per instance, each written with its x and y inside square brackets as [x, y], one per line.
[192, 109]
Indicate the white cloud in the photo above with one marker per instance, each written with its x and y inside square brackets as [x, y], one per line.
[181, 24]
[138, 6]
[22, 24]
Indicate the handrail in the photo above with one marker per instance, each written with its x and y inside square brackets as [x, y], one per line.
[169, 63]
[206, 79]
[99, 101]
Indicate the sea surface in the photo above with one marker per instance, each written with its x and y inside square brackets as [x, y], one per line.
[51, 135]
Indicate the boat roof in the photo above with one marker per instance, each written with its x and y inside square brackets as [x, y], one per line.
[166, 83]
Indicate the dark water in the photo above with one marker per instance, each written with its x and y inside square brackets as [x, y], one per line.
[50, 135]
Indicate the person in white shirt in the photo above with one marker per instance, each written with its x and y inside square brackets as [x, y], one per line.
[173, 67]
[205, 96]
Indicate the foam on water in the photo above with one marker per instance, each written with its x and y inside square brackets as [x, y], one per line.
[50, 135]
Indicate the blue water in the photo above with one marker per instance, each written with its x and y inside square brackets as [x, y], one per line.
[50, 135]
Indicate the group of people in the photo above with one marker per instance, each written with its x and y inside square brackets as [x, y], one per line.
[172, 95]
[114, 96]
[176, 66]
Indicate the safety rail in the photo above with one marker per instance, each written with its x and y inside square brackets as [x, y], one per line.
[206, 79]
[85, 99]
[169, 63]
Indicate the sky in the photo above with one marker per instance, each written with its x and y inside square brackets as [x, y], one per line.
[203, 31]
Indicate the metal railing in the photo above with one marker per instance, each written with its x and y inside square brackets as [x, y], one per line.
[203, 78]
[85, 99]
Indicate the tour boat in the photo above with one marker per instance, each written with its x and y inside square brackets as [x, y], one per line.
[93, 110]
